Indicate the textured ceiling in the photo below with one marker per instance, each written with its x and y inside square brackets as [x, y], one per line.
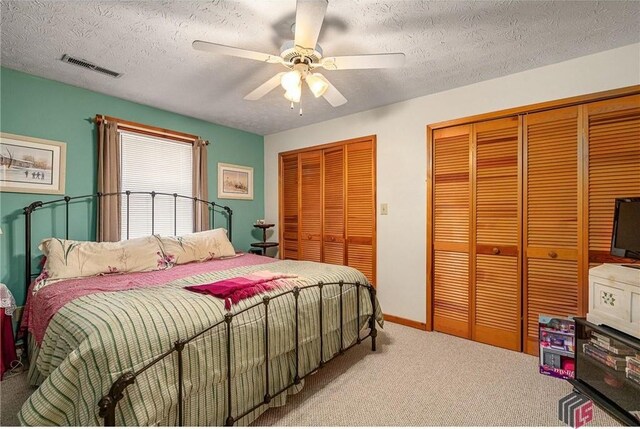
[447, 43]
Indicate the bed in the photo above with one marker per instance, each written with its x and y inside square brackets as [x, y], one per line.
[140, 349]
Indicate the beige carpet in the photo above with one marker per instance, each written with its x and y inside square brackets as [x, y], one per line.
[414, 379]
[14, 390]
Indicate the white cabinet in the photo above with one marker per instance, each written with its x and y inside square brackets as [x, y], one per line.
[614, 297]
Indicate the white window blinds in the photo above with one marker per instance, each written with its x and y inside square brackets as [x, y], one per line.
[155, 164]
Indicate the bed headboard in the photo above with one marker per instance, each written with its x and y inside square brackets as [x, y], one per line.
[65, 201]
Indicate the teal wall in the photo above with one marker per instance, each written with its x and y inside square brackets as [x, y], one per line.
[36, 107]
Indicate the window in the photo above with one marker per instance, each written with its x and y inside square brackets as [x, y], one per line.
[161, 165]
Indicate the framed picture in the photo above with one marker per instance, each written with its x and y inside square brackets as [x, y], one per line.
[32, 165]
[235, 182]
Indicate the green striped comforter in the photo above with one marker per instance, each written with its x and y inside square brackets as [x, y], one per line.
[92, 340]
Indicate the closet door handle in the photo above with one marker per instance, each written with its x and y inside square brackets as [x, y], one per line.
[332, 238]
[308, 236]
[553, 254]
[495, 251]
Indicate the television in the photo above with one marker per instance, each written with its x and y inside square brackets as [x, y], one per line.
[625, 240]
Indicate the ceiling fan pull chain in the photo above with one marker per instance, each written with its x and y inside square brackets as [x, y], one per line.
[300, 106]
[292, 105]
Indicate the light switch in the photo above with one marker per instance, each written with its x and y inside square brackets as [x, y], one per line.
[384, 209]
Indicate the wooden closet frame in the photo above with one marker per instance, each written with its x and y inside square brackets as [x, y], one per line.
[342, 143]
[583, 254]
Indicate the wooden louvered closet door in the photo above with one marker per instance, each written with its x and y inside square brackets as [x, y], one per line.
[289, 176]
[333, 246]
[522, 208]
[496, 289]
[360, 192]
[328, 204]
[613, 138]
[311, 206]
[552, 218]
[452, 195]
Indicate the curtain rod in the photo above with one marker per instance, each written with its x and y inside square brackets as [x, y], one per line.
[148, 129]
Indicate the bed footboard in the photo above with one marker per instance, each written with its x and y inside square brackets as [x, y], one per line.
[108, 403]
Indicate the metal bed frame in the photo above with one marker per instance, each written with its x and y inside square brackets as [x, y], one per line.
[107, 405]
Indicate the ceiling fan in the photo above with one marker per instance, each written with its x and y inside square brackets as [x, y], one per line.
[302, 56]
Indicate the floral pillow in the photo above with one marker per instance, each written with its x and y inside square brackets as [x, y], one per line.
[199, 246]
[65, 259]
[70, 259]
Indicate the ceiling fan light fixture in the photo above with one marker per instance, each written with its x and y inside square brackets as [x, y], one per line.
[317, 84]
[294, 94]
[291, 80]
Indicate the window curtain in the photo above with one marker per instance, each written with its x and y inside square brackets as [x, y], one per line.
[109, 181]
[200, 185]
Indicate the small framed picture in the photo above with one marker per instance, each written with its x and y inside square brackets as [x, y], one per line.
[31, 165]
[235, 182]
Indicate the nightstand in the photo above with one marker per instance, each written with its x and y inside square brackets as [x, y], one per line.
[264, 245]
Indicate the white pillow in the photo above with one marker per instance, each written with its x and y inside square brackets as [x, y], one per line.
[70, 258]
[198, 246]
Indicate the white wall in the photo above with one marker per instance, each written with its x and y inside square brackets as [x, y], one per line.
[401, 155]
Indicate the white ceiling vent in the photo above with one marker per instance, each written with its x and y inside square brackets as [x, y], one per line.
[86, 64]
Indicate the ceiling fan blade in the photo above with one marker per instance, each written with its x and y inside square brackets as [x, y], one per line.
[215, 48]
[373, 61]
[332, 95]
[309, 18]
[265, 88]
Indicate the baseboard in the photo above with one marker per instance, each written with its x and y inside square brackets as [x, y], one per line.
[406, 322]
